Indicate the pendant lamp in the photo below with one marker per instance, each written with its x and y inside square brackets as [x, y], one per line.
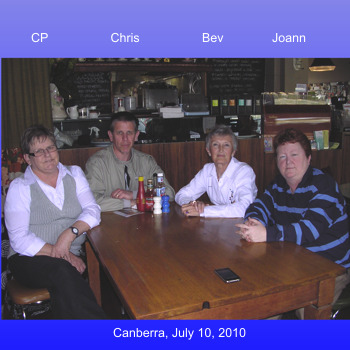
[322, 65]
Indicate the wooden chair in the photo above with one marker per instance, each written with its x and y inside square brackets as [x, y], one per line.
[19, 300]
[23, 301]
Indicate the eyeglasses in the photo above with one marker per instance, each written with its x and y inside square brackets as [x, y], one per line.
[40, 152]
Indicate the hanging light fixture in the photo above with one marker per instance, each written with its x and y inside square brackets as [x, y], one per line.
[322, 65]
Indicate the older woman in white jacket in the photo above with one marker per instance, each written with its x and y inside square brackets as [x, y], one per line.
[229, 183]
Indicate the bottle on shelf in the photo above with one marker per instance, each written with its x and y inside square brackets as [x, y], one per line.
[224, 106]
[149, 196]
[214, 105]
[141, 196]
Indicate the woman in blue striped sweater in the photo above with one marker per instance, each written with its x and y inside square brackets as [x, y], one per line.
[302, 205]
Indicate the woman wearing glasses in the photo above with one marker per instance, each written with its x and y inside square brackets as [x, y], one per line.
[47, 210]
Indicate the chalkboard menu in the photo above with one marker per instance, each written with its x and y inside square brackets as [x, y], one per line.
[236, 76]
[93, 89]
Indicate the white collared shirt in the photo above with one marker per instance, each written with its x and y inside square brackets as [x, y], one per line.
[17, 206]
[231, 194]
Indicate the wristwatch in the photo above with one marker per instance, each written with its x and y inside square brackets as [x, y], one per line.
[74, 230]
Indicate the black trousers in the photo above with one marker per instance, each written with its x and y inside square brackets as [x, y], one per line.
[71, 296]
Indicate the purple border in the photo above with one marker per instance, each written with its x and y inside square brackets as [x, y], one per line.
[173, 29]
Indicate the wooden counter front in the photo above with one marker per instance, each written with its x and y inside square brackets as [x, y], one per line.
[327, 160]
[181, 160]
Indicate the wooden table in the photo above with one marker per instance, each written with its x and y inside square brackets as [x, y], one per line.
[162, 267]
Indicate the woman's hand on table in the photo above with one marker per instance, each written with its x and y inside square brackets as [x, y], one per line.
[193, 208]
[252, 231]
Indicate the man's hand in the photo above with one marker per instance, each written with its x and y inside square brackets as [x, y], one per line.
[122, 194]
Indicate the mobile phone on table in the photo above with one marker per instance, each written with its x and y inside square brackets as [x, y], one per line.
[227, 275]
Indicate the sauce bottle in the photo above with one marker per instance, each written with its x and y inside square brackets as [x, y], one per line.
[141, 197]
[159, 190]
[149, 196]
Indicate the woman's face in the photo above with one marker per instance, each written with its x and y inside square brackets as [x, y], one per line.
[47, 162]
[221, 149]
[292, 162]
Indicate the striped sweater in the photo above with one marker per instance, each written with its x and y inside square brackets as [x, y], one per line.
[314, 216]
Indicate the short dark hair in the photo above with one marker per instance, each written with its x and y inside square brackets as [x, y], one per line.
[292, 135]
[222, 130]
[35, 132]
[123, 117]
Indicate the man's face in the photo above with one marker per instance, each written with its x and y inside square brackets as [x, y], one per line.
[123, 138]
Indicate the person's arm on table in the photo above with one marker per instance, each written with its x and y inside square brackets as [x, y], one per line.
[244, 195]
[187, 195]
[193, 190]
[95, 171]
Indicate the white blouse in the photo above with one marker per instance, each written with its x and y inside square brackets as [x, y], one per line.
[231, 195]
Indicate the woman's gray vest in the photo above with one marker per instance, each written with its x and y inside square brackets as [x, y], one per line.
[47, 221]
